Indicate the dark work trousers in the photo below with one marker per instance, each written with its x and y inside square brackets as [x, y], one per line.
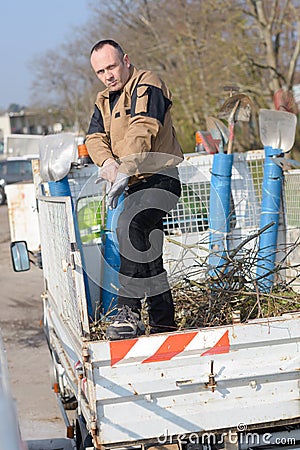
[140, 237]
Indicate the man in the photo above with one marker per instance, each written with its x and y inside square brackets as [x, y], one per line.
[132, 139]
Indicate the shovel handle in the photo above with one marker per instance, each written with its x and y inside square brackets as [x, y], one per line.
[231, 138]
[231, 122]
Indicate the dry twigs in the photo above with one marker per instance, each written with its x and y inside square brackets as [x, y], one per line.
[197, 305]
[234, 292]
[229, 296]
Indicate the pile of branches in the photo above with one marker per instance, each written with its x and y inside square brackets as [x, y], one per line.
[233, 292]
[206, 298]
[203, 304]
[206, 304]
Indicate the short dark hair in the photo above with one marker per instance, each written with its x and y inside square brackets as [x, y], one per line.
[103, 42]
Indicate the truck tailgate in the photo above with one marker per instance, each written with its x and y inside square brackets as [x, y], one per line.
[159, 386]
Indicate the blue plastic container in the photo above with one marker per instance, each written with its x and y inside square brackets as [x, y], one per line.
[270, 211]
[219, 211]
[110, 280]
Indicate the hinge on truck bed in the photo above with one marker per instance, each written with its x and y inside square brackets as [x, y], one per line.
[211, 378]
[85, 353]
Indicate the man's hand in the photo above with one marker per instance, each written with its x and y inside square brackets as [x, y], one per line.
[108, 171]
[120, 184]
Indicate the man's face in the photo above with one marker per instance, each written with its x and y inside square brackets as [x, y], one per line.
[110, 68]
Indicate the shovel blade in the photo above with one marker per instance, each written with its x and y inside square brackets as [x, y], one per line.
[243, 111]
[209, 143]
[284, 101]
[277, 129]
[217, 129]
[219, 132]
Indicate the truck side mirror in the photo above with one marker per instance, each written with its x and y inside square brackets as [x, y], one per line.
[19, 255]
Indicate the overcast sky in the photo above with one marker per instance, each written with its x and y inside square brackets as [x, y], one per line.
[27, 28]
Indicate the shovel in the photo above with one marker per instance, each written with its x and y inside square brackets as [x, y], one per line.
[209, 143]
[277, 133]
[218, 130]
[277, 129]
[284, 101]
[243, 111]
[236, 108]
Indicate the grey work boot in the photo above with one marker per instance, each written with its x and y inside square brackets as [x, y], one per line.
[127, 324]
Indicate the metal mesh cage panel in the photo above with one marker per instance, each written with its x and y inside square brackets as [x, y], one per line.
[292, 200]
[56, 226]
[191, 213]
[189, 220]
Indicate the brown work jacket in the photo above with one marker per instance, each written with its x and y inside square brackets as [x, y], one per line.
[138, 132]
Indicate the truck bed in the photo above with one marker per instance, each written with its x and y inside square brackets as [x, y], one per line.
[162, 385]
[163, 388]
[167, 387]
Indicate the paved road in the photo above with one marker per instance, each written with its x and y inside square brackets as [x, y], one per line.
[27, 353]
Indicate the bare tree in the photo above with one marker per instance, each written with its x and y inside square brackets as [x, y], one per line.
[197, 47]
[275, 25]
[65, 81]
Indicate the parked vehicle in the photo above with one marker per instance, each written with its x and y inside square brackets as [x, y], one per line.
[2, 193]
[13, 170]
[232, 386]
[10, 438]
[21, 145]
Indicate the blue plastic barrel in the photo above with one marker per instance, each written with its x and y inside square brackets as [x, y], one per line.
[219, 211]
[110, 279]
[60, 188]
[270, 212]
